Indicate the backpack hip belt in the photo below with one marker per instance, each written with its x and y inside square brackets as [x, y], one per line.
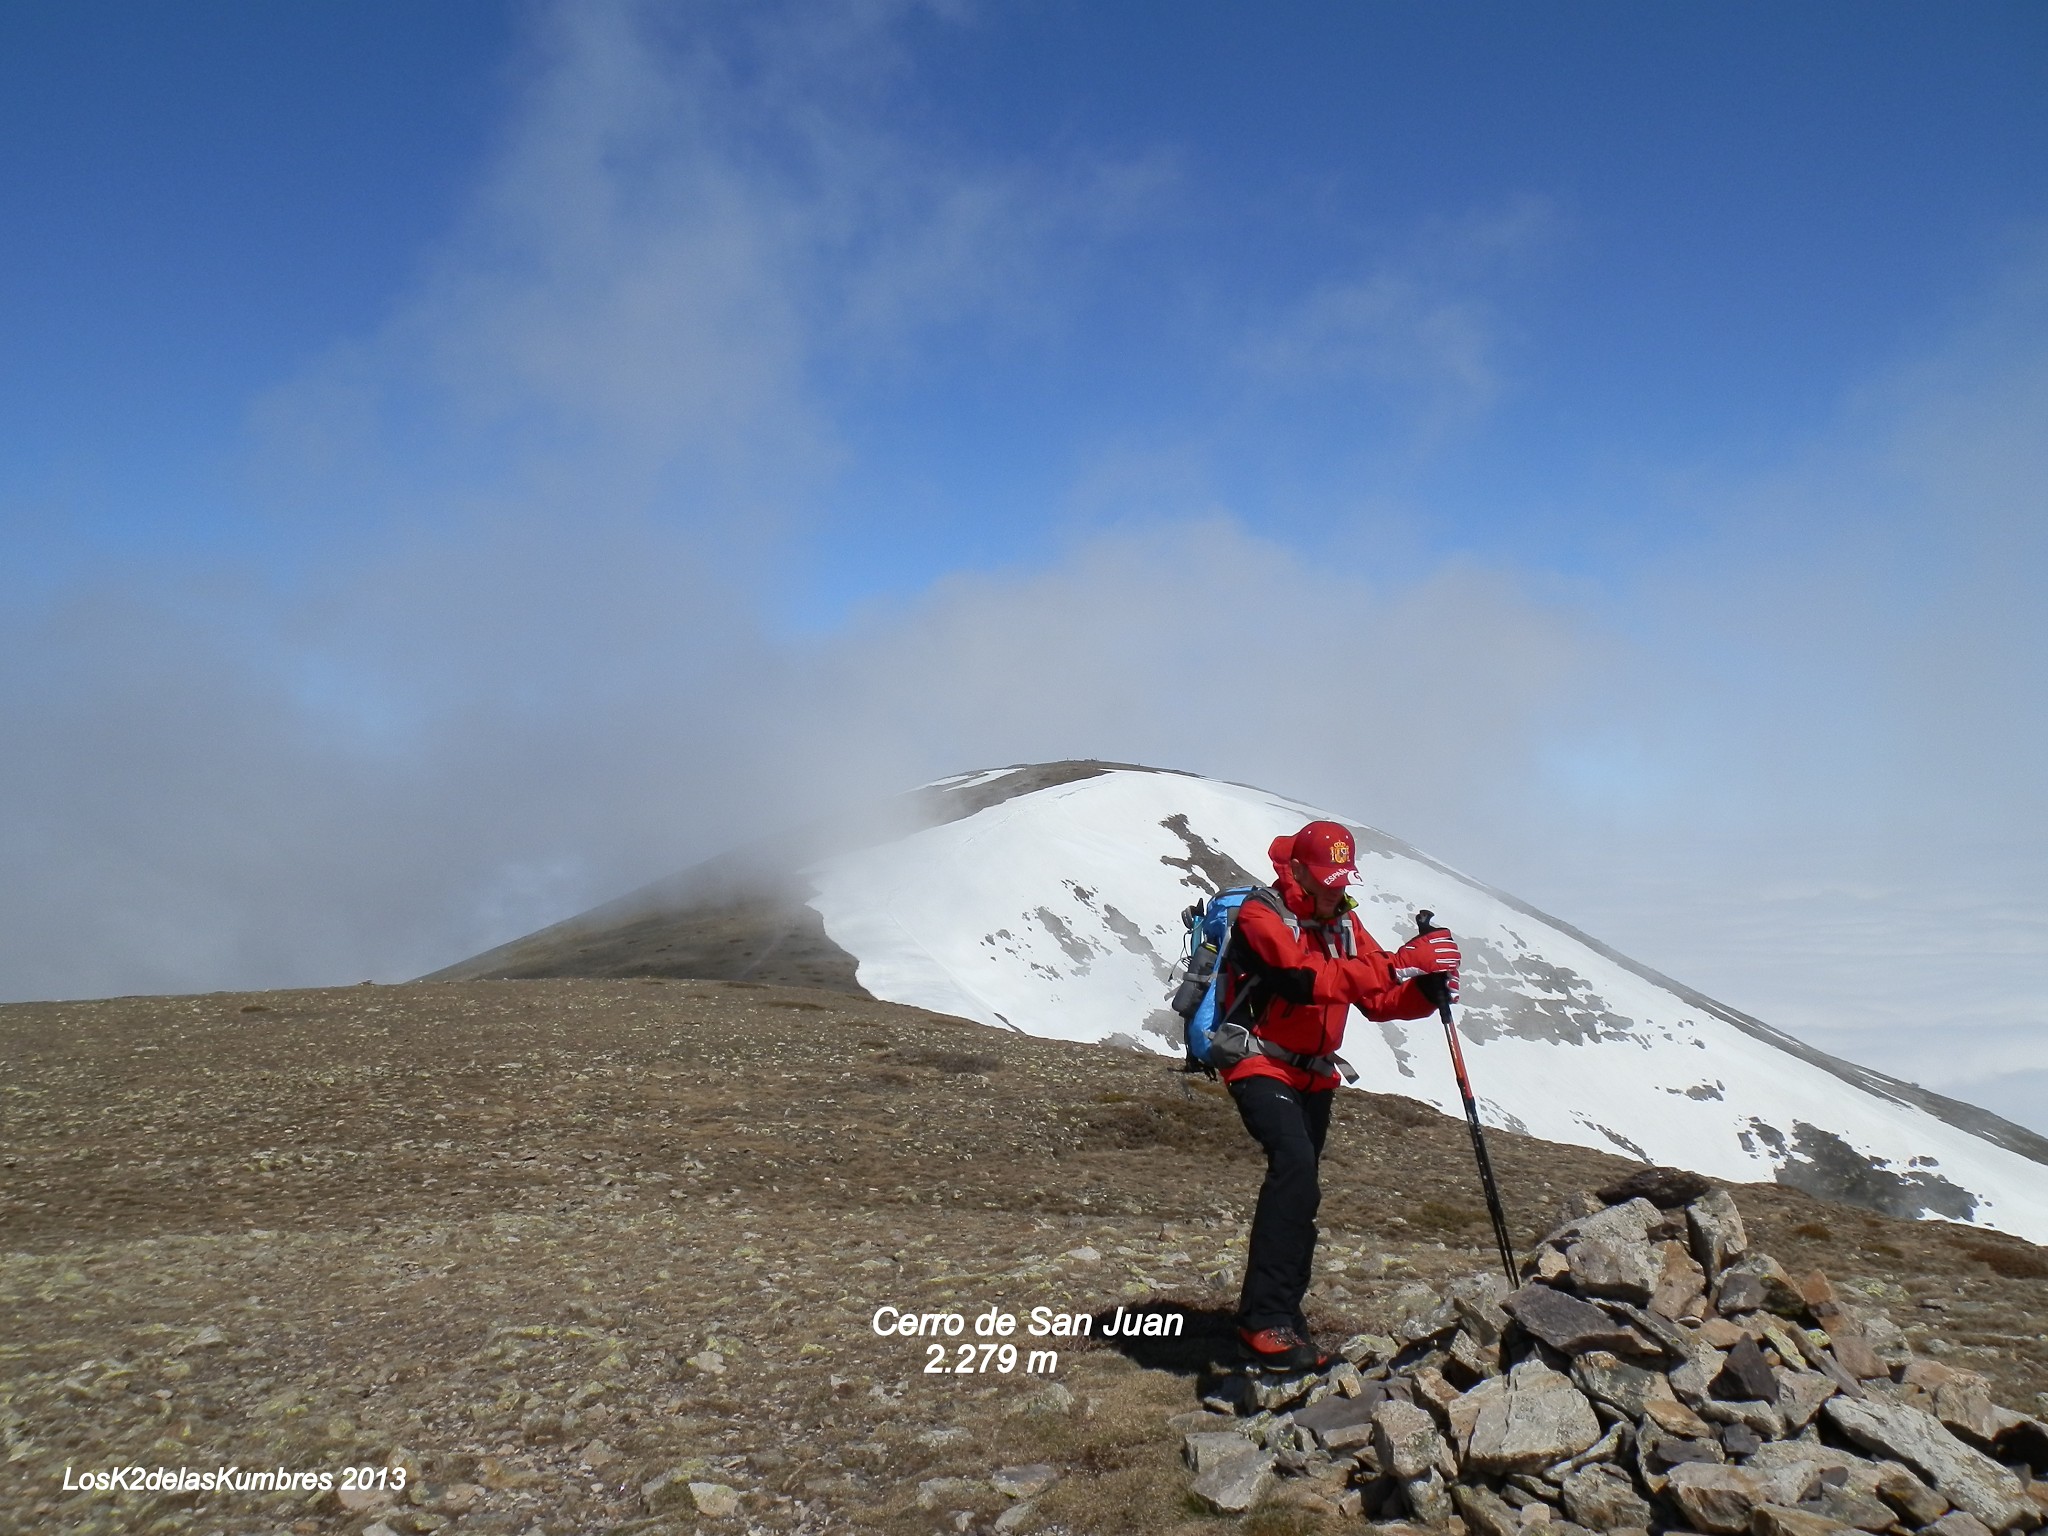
[1328, 1065]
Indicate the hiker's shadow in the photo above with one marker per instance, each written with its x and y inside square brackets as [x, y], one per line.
[1171, 1336]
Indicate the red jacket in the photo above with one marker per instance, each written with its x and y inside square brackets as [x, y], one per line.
[1310, 986]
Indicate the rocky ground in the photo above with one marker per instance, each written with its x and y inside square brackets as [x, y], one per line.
[1648, 1370]
[591, 1256]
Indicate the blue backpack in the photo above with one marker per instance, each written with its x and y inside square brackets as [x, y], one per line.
[1199, 998]
[1213, 1041]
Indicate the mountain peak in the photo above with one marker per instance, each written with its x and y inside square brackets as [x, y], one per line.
[1045, 898]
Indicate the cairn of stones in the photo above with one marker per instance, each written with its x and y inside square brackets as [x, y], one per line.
[1650, 1374]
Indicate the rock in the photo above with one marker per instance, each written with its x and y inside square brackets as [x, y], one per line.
[1478, 1304]
[1348, 1437]
[667, 1492]
[1436, 1322]
[1745, 1376]
[1406, 1440]
[709, 1361]
[208, 1337]
[1486, 1512]
[1817, 1291]
[1887, 1338]
[1429, 1498]
[1667, 1454]
[1334, 1414]
[1778, 1520]
[1913, 1499]
[1740, 1441]
[1928, 1375]
[1756, 1283]
[1293, 1444]
[932, 1493]
[1854, 1354]
[1721, 1498]
[1227, 1399]
[1207, 1449]
[719, 1501]
[1471, 1360]
[1235, 1486]
[1721, 1333]
[1054, 1398]
[1761, 1419]
[1347, 1379]
[456, 1499]
[1844, 1332]
[1717, 1498]
[1790, 1340]
[1623, 1387]
[1662, 1335]
[1610, 1267]
[1858, 1511]
[1368, 1348]
[1966, 1477]
[1550, 1266]
[1023, 1482]
[1692, 1379]
[1665, 1188]
[1629, 1222]
[1541, 1419]
[1716, 1230]
[1461, 1416]
[1674, 1418]
[1434, 1391]
[498, 1474]
[1603, 1499]
[1276, 1393]
[1015, 1517]
[1411, 1301]
[1811, 1460]
[1681, 1283]
[1959, 1523]
[1610, 1447]
[1963, 1403]
[1567, 1324]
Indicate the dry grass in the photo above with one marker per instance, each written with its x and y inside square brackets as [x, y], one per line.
[498, 1228]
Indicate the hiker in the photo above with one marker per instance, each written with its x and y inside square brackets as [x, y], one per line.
[1293, 979]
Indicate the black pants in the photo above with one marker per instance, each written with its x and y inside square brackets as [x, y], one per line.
[1291, 1125]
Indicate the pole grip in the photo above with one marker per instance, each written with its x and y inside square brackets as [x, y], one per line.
[1435, 986]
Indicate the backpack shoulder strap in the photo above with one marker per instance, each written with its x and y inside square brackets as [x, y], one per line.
[1273, 902]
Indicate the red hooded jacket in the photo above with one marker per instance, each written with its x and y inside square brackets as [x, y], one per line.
[1310, 985]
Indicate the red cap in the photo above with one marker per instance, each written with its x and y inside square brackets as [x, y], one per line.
[1323, 847]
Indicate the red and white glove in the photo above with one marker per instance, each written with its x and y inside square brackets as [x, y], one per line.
[1434, 953]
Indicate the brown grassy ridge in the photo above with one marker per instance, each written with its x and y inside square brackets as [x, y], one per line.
[499, 1230]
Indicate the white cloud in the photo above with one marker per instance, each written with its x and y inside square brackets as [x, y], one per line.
[524, 667]
[1417, 328]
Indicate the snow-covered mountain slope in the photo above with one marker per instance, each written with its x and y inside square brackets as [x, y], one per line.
[1047, 899]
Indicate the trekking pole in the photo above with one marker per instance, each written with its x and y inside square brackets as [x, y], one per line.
[1438, 991]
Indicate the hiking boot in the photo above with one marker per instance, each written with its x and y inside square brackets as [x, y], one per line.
[1282, 1349]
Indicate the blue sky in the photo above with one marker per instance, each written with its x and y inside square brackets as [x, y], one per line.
[457, 460]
